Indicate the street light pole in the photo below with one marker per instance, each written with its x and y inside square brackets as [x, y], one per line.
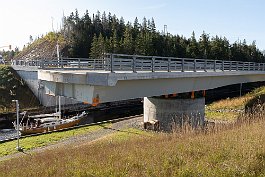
[17, 110]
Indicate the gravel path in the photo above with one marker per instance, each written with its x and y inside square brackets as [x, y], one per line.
[83, 139]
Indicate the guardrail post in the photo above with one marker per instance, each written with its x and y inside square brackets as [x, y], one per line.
[263, 67]
[223, 65]
[194, 69]
[111, 63]
[42, 64]
[94, 64]
[249, 66]
[79, 63]
[134, 64]
[205, 65]
[61, 62]
[153, 64]
[182, 65]
[214, 65]
[230, 66]
[168, 64]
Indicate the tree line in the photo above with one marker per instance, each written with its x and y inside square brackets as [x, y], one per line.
[91, 36]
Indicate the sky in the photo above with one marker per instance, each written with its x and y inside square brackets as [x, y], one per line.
[233, 19]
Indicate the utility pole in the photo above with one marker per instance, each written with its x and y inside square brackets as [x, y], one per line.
[52, 25]
[17, 125]
[165, 29]
[58, 54]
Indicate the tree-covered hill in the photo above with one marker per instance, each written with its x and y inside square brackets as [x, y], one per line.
[92, 35]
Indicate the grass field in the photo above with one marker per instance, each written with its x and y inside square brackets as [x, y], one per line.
[234, 149]
[237, 150]
[29, 143]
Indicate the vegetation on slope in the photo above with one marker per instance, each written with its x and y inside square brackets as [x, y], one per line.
[229, 109]
[44, 47]
[12, 87]
[237, 151]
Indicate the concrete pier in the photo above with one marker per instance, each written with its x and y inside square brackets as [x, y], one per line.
[170, 113]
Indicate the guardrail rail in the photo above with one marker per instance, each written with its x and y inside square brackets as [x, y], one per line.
[137, 63]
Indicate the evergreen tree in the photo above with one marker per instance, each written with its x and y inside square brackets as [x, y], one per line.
[128, 40]
[193, 48]
[95, 52]
[204, 47]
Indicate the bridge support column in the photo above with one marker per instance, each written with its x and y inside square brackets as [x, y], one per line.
[171, 113]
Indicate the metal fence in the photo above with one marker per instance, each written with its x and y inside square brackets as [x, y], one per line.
[138, 63]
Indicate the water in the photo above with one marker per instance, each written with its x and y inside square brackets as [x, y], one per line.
[7, 134]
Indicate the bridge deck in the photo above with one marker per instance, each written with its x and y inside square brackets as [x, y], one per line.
[121, 77]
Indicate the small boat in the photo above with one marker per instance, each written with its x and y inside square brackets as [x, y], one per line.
[43, 123]
[47, 124]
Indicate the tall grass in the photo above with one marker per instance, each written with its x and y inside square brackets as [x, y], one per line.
[236, 149]
[229, 109]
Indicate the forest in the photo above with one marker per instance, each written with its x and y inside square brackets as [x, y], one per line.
[93, 35]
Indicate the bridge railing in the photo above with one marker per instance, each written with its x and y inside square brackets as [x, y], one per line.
[138, 63]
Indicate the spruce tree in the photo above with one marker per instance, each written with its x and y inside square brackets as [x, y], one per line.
[94, 52]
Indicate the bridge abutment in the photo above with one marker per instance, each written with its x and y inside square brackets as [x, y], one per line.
[167, 114]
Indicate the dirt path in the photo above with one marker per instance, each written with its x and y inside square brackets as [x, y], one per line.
[81, 139]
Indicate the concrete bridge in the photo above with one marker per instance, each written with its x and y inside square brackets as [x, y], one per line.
[120, 77]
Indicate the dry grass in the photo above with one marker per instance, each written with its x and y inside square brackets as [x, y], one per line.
[231, 103]
[229, 150]
[229, 109]
[238, 102]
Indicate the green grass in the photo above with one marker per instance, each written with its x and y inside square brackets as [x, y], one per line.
[128, 134]
[224, 116]
[29, 143]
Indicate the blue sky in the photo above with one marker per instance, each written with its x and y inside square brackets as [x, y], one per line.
[234, 19]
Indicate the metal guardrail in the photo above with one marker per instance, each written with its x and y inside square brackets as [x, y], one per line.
[136, 63]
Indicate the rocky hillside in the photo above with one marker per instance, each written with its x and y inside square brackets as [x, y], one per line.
[44, 47]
